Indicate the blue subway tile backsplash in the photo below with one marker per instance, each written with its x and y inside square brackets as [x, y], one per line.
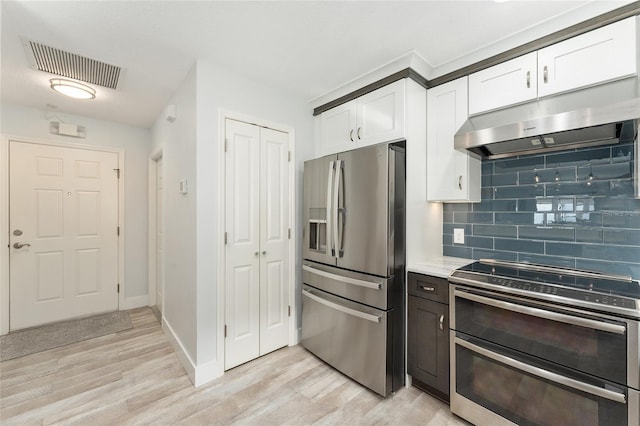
[571, 208]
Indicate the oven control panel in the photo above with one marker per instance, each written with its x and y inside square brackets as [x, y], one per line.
[553, 290]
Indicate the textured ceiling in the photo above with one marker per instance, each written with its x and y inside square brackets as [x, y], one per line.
[305, 48]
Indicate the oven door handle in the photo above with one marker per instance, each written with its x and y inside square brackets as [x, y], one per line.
[337, 307]
[541, 313]
[544, 374]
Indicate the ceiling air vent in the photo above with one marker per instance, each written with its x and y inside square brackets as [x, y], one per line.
[71, 65]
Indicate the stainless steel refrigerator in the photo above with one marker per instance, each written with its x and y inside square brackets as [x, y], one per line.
[353, 268]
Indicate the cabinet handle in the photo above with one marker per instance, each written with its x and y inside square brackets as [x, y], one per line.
[460, 182]
[359, 133]
[425, 288]
[442, 322]
[545, 74]
[351, 135]
[528, 79]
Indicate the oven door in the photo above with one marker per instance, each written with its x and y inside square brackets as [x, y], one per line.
[493, 385]
[595, 345]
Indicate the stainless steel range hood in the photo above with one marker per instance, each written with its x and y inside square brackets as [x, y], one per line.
[587, 117]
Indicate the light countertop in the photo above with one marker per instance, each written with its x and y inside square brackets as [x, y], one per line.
[438, 266]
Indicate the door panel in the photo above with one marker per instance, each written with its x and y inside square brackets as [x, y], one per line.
[316, 244]
[274, 229]
[364, 210]
[159, 234]
[242, 286]
[65, 203]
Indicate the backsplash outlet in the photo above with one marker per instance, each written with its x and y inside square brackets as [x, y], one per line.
[571, 208]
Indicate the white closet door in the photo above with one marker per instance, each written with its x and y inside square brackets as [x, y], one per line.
[64, 209]
[242, 284]
[274, 229]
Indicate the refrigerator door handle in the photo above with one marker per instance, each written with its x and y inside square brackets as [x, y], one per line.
[330, 242]
[336, 193]
[341, 278]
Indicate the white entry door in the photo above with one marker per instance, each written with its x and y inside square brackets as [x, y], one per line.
[63, 219]
[257, 226]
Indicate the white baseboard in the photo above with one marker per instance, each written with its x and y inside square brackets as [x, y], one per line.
[135, 302]
[199, 375]
[183, 356]
[208, 372]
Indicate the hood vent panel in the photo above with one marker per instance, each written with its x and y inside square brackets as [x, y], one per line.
[591, 136]
[71, 65]
[588, 117]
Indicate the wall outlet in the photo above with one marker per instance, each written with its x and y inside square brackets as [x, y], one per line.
[458, 235]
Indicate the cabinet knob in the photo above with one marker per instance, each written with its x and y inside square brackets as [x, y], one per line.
[442, 322]
[528, 79]
[460, 182]
[425, 288]
[351, 135]
[545, 74]
[358, 133]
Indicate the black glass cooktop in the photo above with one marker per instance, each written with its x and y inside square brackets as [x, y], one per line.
[586, 286]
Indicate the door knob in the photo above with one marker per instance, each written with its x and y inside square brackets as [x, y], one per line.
[20, 245]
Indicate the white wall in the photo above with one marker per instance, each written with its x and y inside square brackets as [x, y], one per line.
[192, 265]
[32, 123]
[177, 140]
[219, 89]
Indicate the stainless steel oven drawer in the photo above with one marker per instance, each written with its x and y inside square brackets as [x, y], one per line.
[353, 338]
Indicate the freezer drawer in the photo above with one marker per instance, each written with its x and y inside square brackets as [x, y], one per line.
[361, 288]
[353, 338]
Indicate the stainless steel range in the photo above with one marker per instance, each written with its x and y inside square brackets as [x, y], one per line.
[541, 345]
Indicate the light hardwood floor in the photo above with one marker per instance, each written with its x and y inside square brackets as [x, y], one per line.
[134, 377]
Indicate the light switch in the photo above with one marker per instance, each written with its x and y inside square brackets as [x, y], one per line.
[183, 186]
[458, 235]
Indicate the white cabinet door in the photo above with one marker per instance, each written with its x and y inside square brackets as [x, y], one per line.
[257, 251]
[505, 84]
[451, 175]
[337, 129]
[601, 55]
[376, 117]
[380, 115]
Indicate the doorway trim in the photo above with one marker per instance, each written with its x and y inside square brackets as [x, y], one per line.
[152, 234]
[223, 115]
[4, 217]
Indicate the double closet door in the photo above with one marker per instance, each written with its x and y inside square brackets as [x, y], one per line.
[257, 241]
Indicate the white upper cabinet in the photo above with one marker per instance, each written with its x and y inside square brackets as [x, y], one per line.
[337, 129]
[508, 83]
[601, 55]
[376, 117]
[380, 115]
[452, 175]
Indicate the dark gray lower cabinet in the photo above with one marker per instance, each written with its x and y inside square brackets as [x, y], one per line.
[428, 335]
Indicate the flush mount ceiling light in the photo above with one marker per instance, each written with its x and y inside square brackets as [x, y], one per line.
[72, 88]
